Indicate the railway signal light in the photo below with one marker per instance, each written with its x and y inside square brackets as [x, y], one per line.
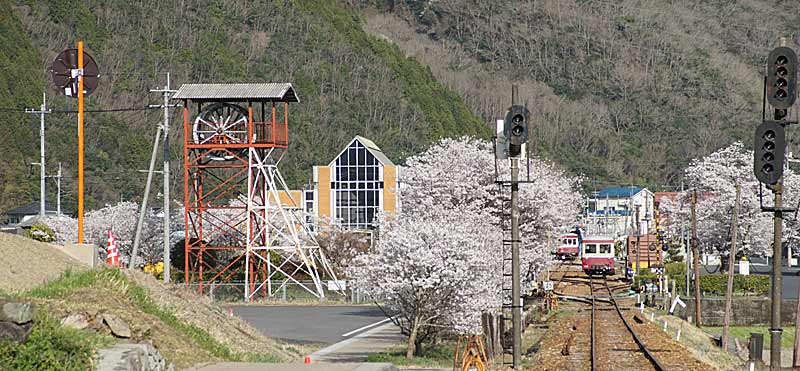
[769, 147]
[781, 77]
[515, 128]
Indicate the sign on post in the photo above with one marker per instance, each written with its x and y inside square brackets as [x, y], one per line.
[337, 285]
[547, 285]
[744, 267]
[677, 301]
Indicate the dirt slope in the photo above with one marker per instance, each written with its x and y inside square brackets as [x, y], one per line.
[25, 263]
[201, 312]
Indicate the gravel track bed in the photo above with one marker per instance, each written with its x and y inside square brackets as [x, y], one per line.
[615, 346]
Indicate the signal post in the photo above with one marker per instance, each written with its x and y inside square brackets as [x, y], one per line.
[768, 163]
[510, 145]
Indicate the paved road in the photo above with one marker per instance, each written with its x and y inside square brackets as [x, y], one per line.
[309, 324]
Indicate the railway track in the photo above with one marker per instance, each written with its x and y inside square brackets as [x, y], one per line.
[606, 313]
[602, 333]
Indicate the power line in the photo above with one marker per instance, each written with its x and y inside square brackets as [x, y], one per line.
[127, 109]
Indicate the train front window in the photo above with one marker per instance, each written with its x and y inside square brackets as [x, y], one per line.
[605, 248]
[591, 249]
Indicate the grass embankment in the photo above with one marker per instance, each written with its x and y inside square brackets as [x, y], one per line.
[52, 347]
[110, 290]
[743, 334]
[440, 356]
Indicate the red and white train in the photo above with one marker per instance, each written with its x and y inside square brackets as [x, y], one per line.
[597, 255]
[568, 247]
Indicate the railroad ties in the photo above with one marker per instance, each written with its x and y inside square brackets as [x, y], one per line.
[601, 337]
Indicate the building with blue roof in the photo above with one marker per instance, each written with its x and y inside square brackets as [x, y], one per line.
[612, 210]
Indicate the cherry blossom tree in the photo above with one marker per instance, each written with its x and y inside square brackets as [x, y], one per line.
[456, 173]
[714, 177]
[434, 269]
[438, 262]
[341, 246]
[121, 219]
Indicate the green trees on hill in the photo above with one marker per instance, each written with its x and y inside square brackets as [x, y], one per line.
[349, 83]
[624, 92]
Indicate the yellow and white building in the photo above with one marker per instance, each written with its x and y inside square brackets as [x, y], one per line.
[354, 187]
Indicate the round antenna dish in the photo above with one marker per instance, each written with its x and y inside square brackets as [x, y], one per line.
[66, 80]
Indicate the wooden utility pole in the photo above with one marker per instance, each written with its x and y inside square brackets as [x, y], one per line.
[696, 262]
[731, 260]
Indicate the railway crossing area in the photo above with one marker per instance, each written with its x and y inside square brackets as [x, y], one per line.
[600, 328]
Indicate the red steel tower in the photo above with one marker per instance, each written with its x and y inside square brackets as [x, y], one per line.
[240, 224]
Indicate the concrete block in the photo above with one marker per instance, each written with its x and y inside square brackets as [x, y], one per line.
[85, 253]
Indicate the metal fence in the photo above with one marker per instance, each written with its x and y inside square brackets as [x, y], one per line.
[290, 292]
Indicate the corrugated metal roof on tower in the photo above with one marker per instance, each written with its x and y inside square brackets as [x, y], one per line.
[283, 92]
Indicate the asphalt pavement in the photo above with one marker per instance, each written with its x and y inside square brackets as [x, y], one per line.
[309, 324]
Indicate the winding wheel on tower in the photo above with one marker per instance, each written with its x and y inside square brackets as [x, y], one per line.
[238, 227]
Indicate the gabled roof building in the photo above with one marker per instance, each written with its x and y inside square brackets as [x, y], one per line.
[360, 182]
[612, 211]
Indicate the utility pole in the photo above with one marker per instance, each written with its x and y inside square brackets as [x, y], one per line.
[167, 93]
[58, 186]
[731, 259]
[516, 308]
[647, 228]
[685, 246]
[696, 262]
[143, 209]
[41, 112]
[638, 241]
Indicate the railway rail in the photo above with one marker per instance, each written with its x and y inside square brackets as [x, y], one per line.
[610, 347]
[644, 350]
[602, 333]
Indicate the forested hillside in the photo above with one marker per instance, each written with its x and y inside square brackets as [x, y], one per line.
[349, 83]
[622, 91]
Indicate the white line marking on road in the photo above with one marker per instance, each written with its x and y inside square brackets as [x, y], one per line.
[332, 348]
[366, 327]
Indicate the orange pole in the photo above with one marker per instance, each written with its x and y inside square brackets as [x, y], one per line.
[80, 143]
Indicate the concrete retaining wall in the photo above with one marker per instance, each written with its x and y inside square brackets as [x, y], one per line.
[745, 311]
[85, 253]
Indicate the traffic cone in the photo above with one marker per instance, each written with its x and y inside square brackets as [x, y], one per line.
[307, 360]
[112, 257]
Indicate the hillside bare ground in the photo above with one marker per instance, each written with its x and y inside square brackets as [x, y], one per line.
[186, 328]
[201, 312]
[105, 297]
[27, 263]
